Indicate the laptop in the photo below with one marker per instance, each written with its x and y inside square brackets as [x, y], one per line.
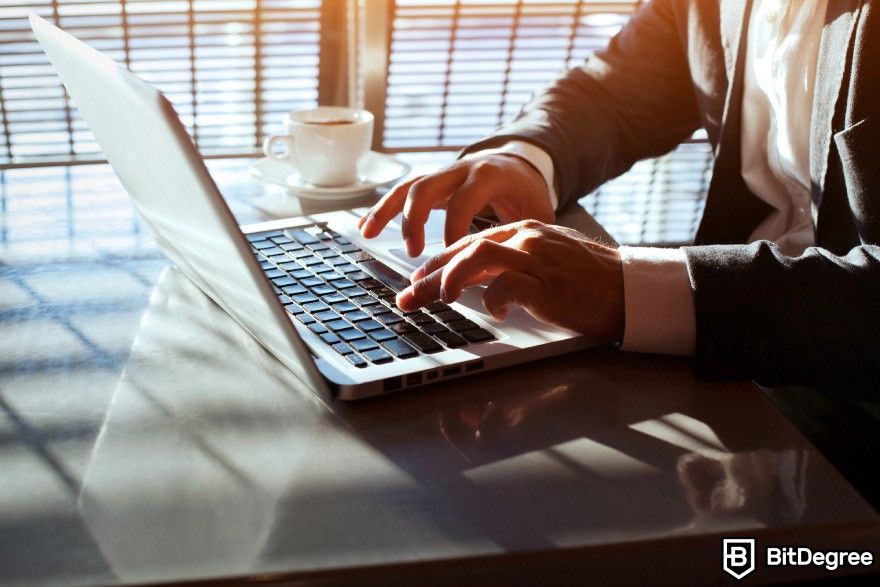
[311, 290]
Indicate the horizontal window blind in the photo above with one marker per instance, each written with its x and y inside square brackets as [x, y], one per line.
[459, 68]
[230, 67]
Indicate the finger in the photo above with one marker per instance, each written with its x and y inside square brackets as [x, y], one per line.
[497, 234]
[469, 199]
[385, 209]
[511, 288]
[484, 256]
[426, 291]
[420, 200]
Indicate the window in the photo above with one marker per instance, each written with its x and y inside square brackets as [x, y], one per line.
[230, 67]
[459, 68]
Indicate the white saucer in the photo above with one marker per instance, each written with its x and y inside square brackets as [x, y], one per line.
[374, 170]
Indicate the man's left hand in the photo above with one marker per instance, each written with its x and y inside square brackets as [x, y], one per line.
[556, 274]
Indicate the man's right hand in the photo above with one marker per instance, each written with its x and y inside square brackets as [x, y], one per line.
[505, 184]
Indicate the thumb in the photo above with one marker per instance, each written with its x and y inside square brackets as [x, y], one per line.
[511, 288]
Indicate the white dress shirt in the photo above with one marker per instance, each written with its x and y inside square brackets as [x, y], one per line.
[780, 72]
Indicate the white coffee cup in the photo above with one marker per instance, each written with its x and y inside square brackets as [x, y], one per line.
[324, 144]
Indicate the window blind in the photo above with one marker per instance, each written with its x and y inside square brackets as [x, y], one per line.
[230, 67]
[459, 68]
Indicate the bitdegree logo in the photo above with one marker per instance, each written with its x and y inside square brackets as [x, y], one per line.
[739, 555]
[801, 556]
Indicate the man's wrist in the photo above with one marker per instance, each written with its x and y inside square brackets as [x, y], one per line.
[534, 156]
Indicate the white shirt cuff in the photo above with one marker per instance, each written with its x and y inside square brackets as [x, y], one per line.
[658, 300]
[536, 156]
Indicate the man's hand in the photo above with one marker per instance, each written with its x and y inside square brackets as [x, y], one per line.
[557, 274]
[506, 184]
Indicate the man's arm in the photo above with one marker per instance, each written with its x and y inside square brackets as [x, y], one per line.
[630, 101]
[813, 319]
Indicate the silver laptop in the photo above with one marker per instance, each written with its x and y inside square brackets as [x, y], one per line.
[311, 290]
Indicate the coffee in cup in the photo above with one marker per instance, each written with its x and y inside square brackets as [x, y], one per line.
[324, 144]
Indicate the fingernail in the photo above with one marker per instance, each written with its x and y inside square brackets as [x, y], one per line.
[403, 297]
[416, 275]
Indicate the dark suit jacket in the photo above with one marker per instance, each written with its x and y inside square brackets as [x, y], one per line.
[814, 319]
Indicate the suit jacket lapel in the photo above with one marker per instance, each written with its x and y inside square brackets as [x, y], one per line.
[837, 35]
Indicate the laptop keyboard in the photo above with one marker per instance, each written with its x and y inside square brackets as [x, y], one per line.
[346, 296]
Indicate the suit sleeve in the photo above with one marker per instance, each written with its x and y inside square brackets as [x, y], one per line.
[810, 320]
[630, 101]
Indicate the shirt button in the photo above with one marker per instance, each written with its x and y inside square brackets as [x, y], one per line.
[771, 16]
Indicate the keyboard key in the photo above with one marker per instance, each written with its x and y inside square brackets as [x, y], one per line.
[329, 338]
[345, 306]
[347, 269]
[356, 316]
[382, 335]
[449, 316]
[316, 306]
[311, 282]
[272, 251]
[284, 280]
[350, 334]
[378, 356]
[304, 298]
[363, 344]
[421, 318]
[338, 325]
[327, 253]
[389, 319]
[340, 240]
[284, 299]
[291, 246]
[318, 247]
[336, 261]
[262, 235]
[275, 273]
[301, 236]
[347, 247]
[301, 273]
[262, 245]
[321, 269]
[423, 342]
[399, 348]
[327, 315]
[451, 339]
[369, 283]
[334, 298]
[380, 309]
[354, 292]
[403, 327]
[310, 261]
[364, 300]
[356, 360]
[343, 284]
[266, 265]
[384, 293]
[342, 348]
[289, 266]
[276, 289]
[300, 253]
[477, 335]
[368, 325]
[462, 325]
[280, 239]
[359, 276]
[359, 256]
[433, 328]
[386, 274]
[331, 277]
[305, 318]
[323, 290]
[292, 290]
[317, 328]
[293, 309]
